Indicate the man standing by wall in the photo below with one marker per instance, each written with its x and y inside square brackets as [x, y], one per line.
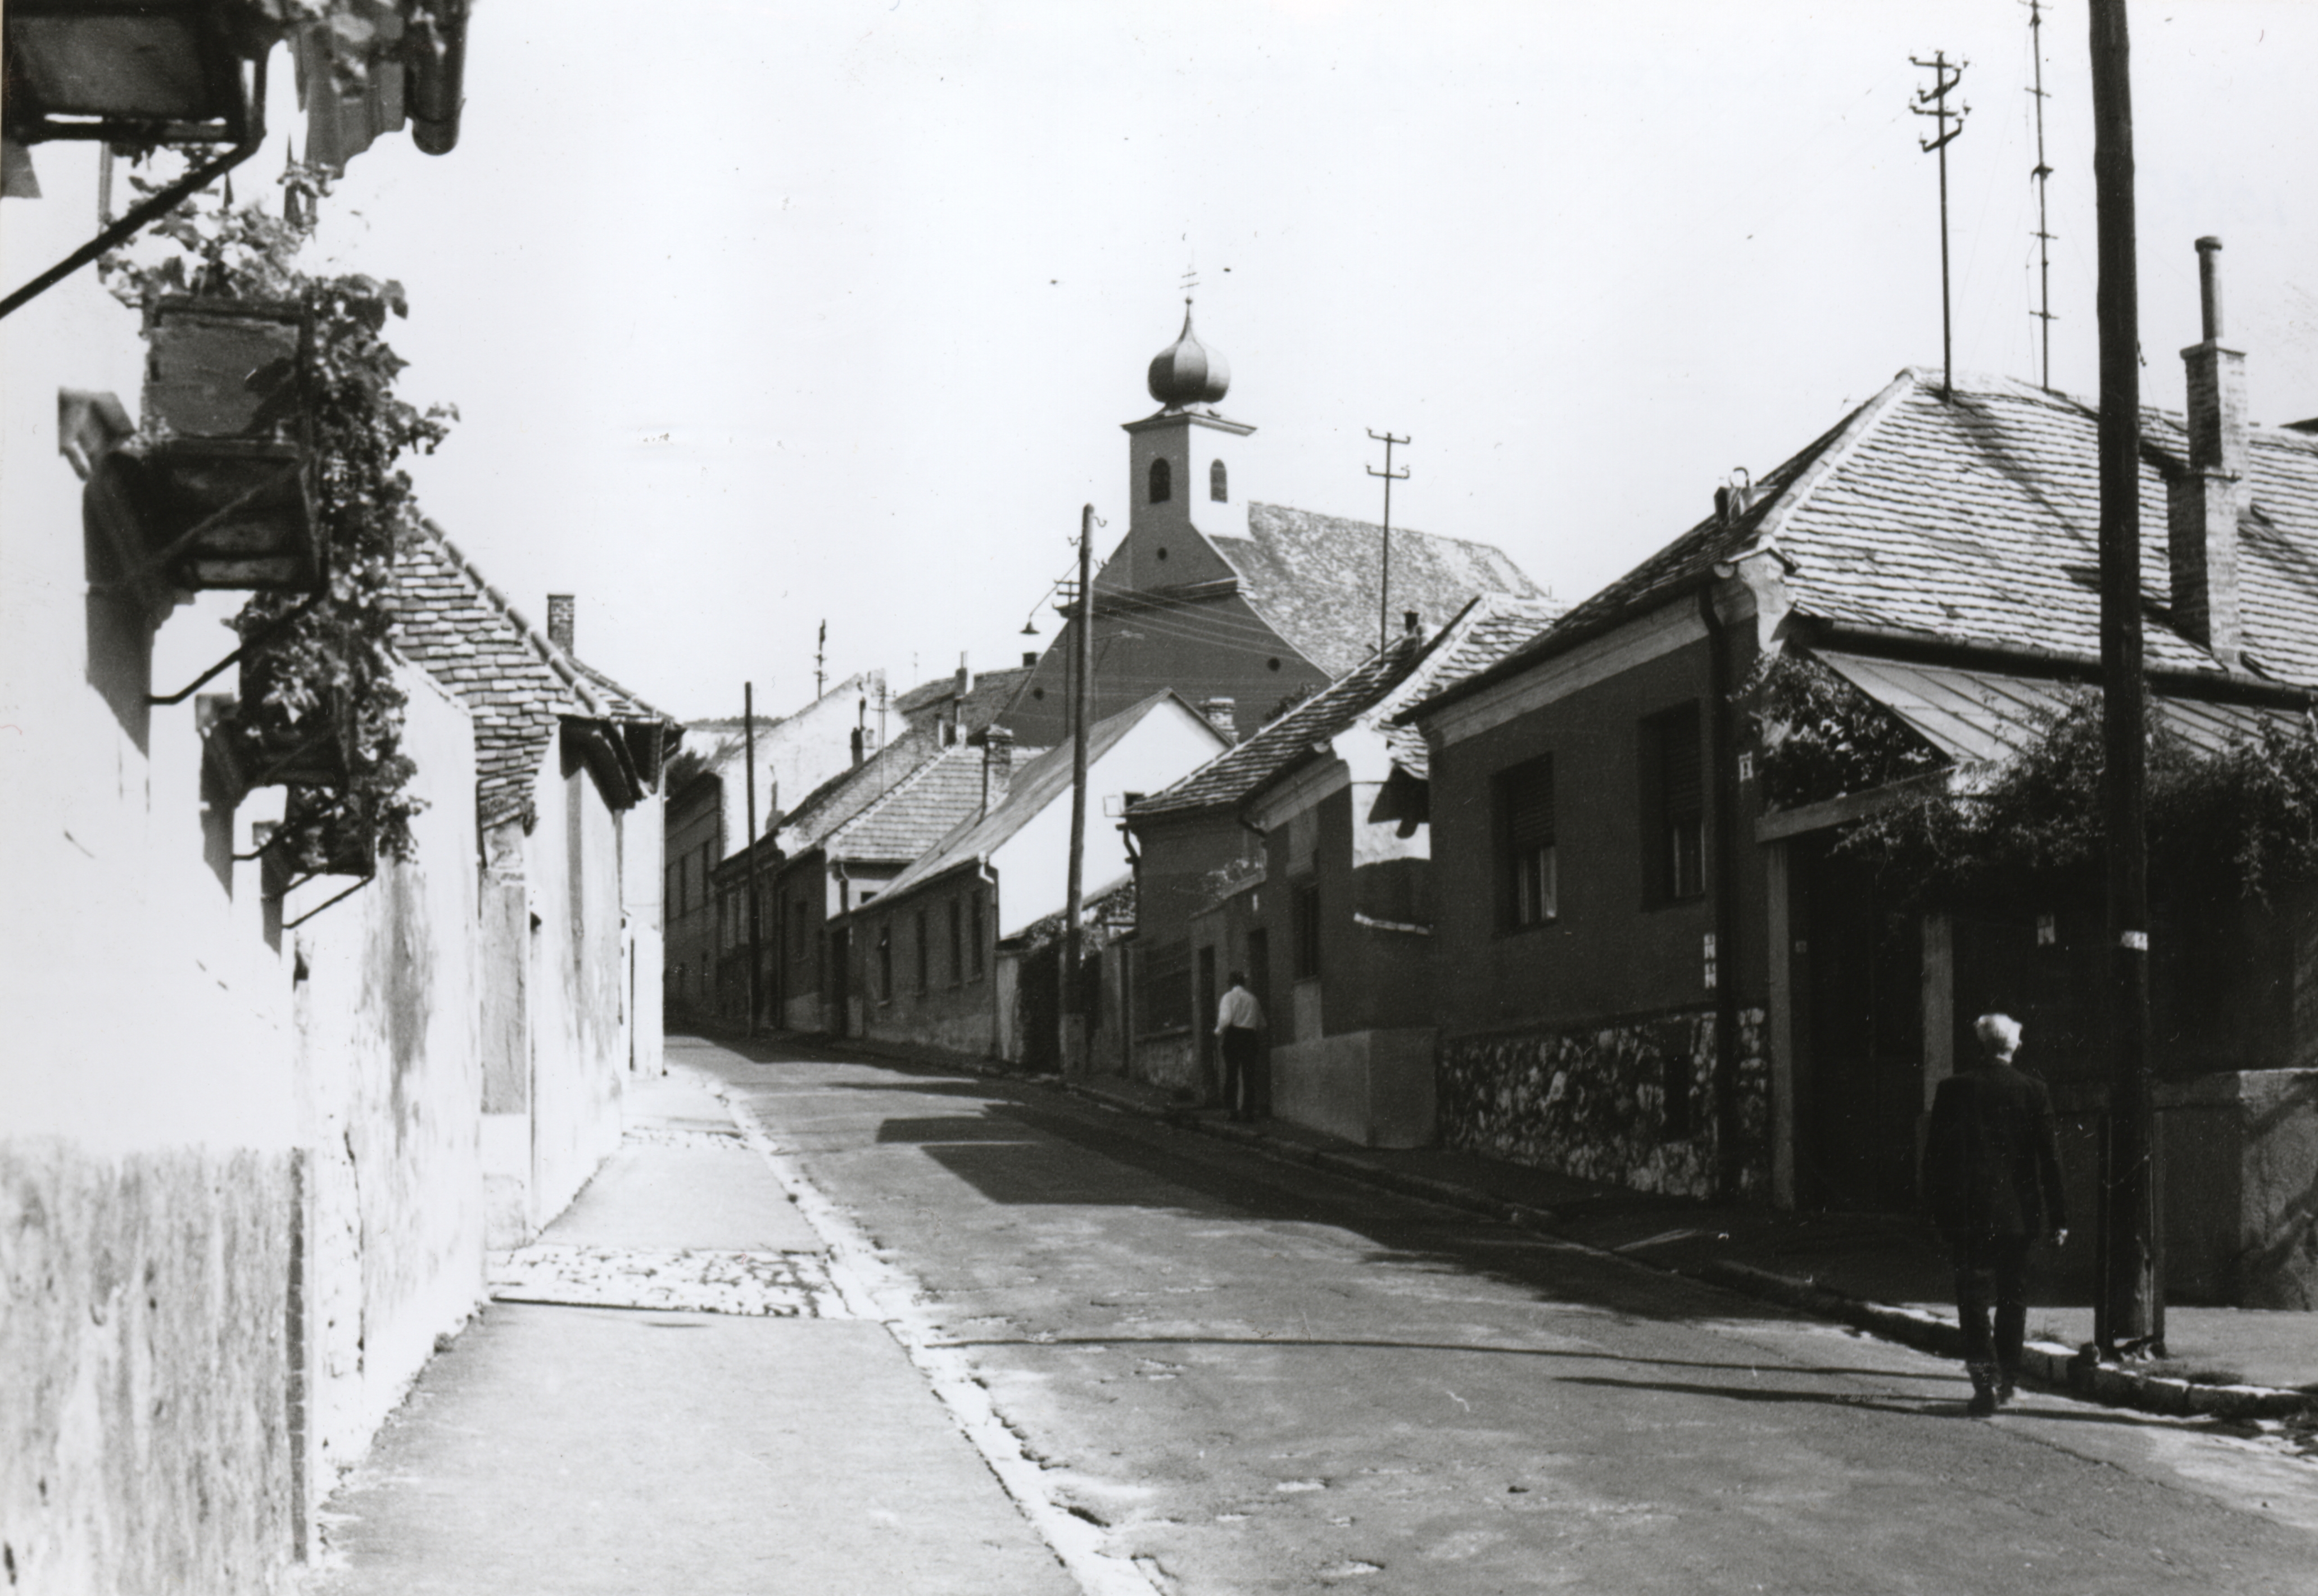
[1992, 1177]
[1239, 1027]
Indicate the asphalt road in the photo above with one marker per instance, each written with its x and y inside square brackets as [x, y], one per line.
[1251, 1377]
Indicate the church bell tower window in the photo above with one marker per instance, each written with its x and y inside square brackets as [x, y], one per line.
[1218, 484]
[1163, 481]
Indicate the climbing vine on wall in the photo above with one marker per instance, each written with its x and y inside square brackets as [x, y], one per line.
[2239, 823]
[318, 655]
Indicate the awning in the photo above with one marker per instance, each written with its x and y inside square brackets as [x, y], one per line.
[1976, 716]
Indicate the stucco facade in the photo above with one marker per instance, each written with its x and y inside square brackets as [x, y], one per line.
[242, 1166]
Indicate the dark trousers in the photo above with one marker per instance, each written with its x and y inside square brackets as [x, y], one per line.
[1991, 1272]
[1246, 1084]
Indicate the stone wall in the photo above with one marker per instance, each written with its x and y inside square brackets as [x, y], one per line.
[1590, 1100]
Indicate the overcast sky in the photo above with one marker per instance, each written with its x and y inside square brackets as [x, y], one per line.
[762, 314]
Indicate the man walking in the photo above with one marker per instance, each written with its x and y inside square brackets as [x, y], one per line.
[1239, 1025]
[1992, 1179]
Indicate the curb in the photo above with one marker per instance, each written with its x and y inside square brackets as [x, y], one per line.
[2046, 1363]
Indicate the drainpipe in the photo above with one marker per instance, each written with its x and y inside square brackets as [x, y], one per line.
[1720, 751]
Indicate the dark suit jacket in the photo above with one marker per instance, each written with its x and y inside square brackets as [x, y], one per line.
[1992, 1160]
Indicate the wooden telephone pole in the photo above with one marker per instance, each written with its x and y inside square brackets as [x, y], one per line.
[1384, 577]
[756, 931]
[1074, 993]
[2129, 1311]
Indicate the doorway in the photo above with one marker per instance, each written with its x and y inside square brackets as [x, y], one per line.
[836, 997]
[1860, 996]
[1203, 1024]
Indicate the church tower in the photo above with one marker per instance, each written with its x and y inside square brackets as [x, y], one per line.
[1183, 471]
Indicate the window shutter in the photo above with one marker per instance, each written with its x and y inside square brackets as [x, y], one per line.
[1681, 774]
[1529, 807]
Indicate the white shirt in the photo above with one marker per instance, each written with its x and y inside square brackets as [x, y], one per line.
[1238, 1008]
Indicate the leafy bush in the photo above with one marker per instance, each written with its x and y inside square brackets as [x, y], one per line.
[1822, 738]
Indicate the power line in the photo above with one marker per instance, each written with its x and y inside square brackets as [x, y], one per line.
[1934, 102]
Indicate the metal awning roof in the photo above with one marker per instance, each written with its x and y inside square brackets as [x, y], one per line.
[1978, 716]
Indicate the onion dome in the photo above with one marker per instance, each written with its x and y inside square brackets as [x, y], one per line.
[1188, 372]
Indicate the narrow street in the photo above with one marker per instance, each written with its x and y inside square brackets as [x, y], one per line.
[1249, 1376]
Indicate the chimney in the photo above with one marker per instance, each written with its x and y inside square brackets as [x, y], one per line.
[2203, 502]
[1223, 714]
[857, 736]
[1409, 621]
[560, 614]
[997, 766]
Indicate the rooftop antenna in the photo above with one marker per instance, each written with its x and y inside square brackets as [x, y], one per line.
[1933, 102]
[819, 657]
[1384, 573]
[2041, 174]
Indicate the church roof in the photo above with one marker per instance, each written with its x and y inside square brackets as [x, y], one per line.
[1313, 577]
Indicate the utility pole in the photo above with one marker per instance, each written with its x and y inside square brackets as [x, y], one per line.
[2129, 1311]
[2043, 174]
[1073, 993]
[820, 658]
[1384, 574]
[1934, 102]
[748, 753]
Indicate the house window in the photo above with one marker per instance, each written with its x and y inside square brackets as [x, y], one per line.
[1218, 484]
[918, 923]
[1673, 800]
[1304, 903]
[885, 961]
[974, 936]
[1162, 480]
[956, 941]
[1529, 872]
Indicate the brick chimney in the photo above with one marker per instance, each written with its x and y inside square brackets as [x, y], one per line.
[2203, 505]
[997, 766]
[562, 614]
[1223, 714]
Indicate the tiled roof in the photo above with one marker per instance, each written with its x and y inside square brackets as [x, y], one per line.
[1492, 628]
[1034, 787]
[1488, 629]
[988, 696]
[620, 703]
[453, 624]
[1977, 519]
[1238, 771]
[516, 686]
[847, 793]
[913, 814]
[1314, 578]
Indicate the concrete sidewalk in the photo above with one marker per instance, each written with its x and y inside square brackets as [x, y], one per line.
[677, 1392]
[1883, 1273]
